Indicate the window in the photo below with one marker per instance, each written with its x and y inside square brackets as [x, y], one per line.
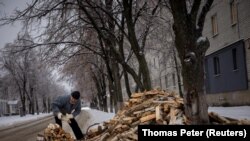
[214, 25]
[234, 54]
[233, 10]
[216, 65]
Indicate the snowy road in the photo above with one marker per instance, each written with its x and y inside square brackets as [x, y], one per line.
[25, 132]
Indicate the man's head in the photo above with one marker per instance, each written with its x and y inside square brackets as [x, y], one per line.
[74, 97]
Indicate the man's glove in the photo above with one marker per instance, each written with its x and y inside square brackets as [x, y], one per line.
[59, 115]
[67, 117]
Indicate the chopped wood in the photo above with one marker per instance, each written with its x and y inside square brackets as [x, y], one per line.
[150, 107]
[144, 110]
[135, 100]
[136, 95]
[172, 115]
[158, 114]
[147, 118]
[219, 118]
[128, 120]
[54, 132]
[104, 137]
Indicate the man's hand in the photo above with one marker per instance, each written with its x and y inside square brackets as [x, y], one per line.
[59, 115]
[69, 116]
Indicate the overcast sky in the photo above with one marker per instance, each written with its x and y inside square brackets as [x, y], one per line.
[9, 32]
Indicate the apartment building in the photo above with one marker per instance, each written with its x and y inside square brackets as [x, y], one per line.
[227, 63]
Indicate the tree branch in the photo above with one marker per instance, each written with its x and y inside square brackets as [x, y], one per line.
[195, 9]
[203, 14]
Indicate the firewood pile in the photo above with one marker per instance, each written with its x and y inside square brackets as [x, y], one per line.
[55, 133]
[151, 107]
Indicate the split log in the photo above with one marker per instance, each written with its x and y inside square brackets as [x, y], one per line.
[158, 114]
[147, 118]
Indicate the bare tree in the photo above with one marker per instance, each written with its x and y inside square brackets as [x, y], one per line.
[23, 69]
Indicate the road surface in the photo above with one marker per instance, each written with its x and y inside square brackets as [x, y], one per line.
[29, 131]
[25, 132]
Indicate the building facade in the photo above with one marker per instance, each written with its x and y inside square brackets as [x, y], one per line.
[227, 63]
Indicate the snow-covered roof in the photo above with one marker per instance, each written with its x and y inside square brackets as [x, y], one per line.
[12, 102]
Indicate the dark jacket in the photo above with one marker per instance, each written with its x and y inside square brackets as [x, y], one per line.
[62, 104]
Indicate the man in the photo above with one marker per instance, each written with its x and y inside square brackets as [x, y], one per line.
[67, 108]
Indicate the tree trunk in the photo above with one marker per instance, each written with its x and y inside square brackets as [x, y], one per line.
[45, 110]
[119, 97]
[97, 80]
[112, 94]
[178, 74]
[121, 50]
[49, 109]
[125, 74]
[37, 107]
[111, 103]
[103, 85]
[23, 108]
[32, 101]
[188, 29]
[139, 53]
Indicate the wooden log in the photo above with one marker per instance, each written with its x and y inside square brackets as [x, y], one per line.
[158, 114]
[144, 110]
[133, 136]
[126, 135]
[135, 100]
[104, 136]
[172, 115]
[221, 119]
[136, 95]
[171, 103]
[244, 122]
[152, 92]
[166, 108]
[138, 107]
[147, 118]
[94, 138]
[128, 120]
[136, 123]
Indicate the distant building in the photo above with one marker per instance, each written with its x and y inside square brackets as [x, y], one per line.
[10, 107]
[227, 64]
[13, 107]
[3, 107]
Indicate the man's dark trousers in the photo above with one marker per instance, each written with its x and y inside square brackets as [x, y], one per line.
[73, 124]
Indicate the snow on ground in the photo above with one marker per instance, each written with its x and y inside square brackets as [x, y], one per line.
[7, 121]
[96, 117]
[87, 118]
[240, 112]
